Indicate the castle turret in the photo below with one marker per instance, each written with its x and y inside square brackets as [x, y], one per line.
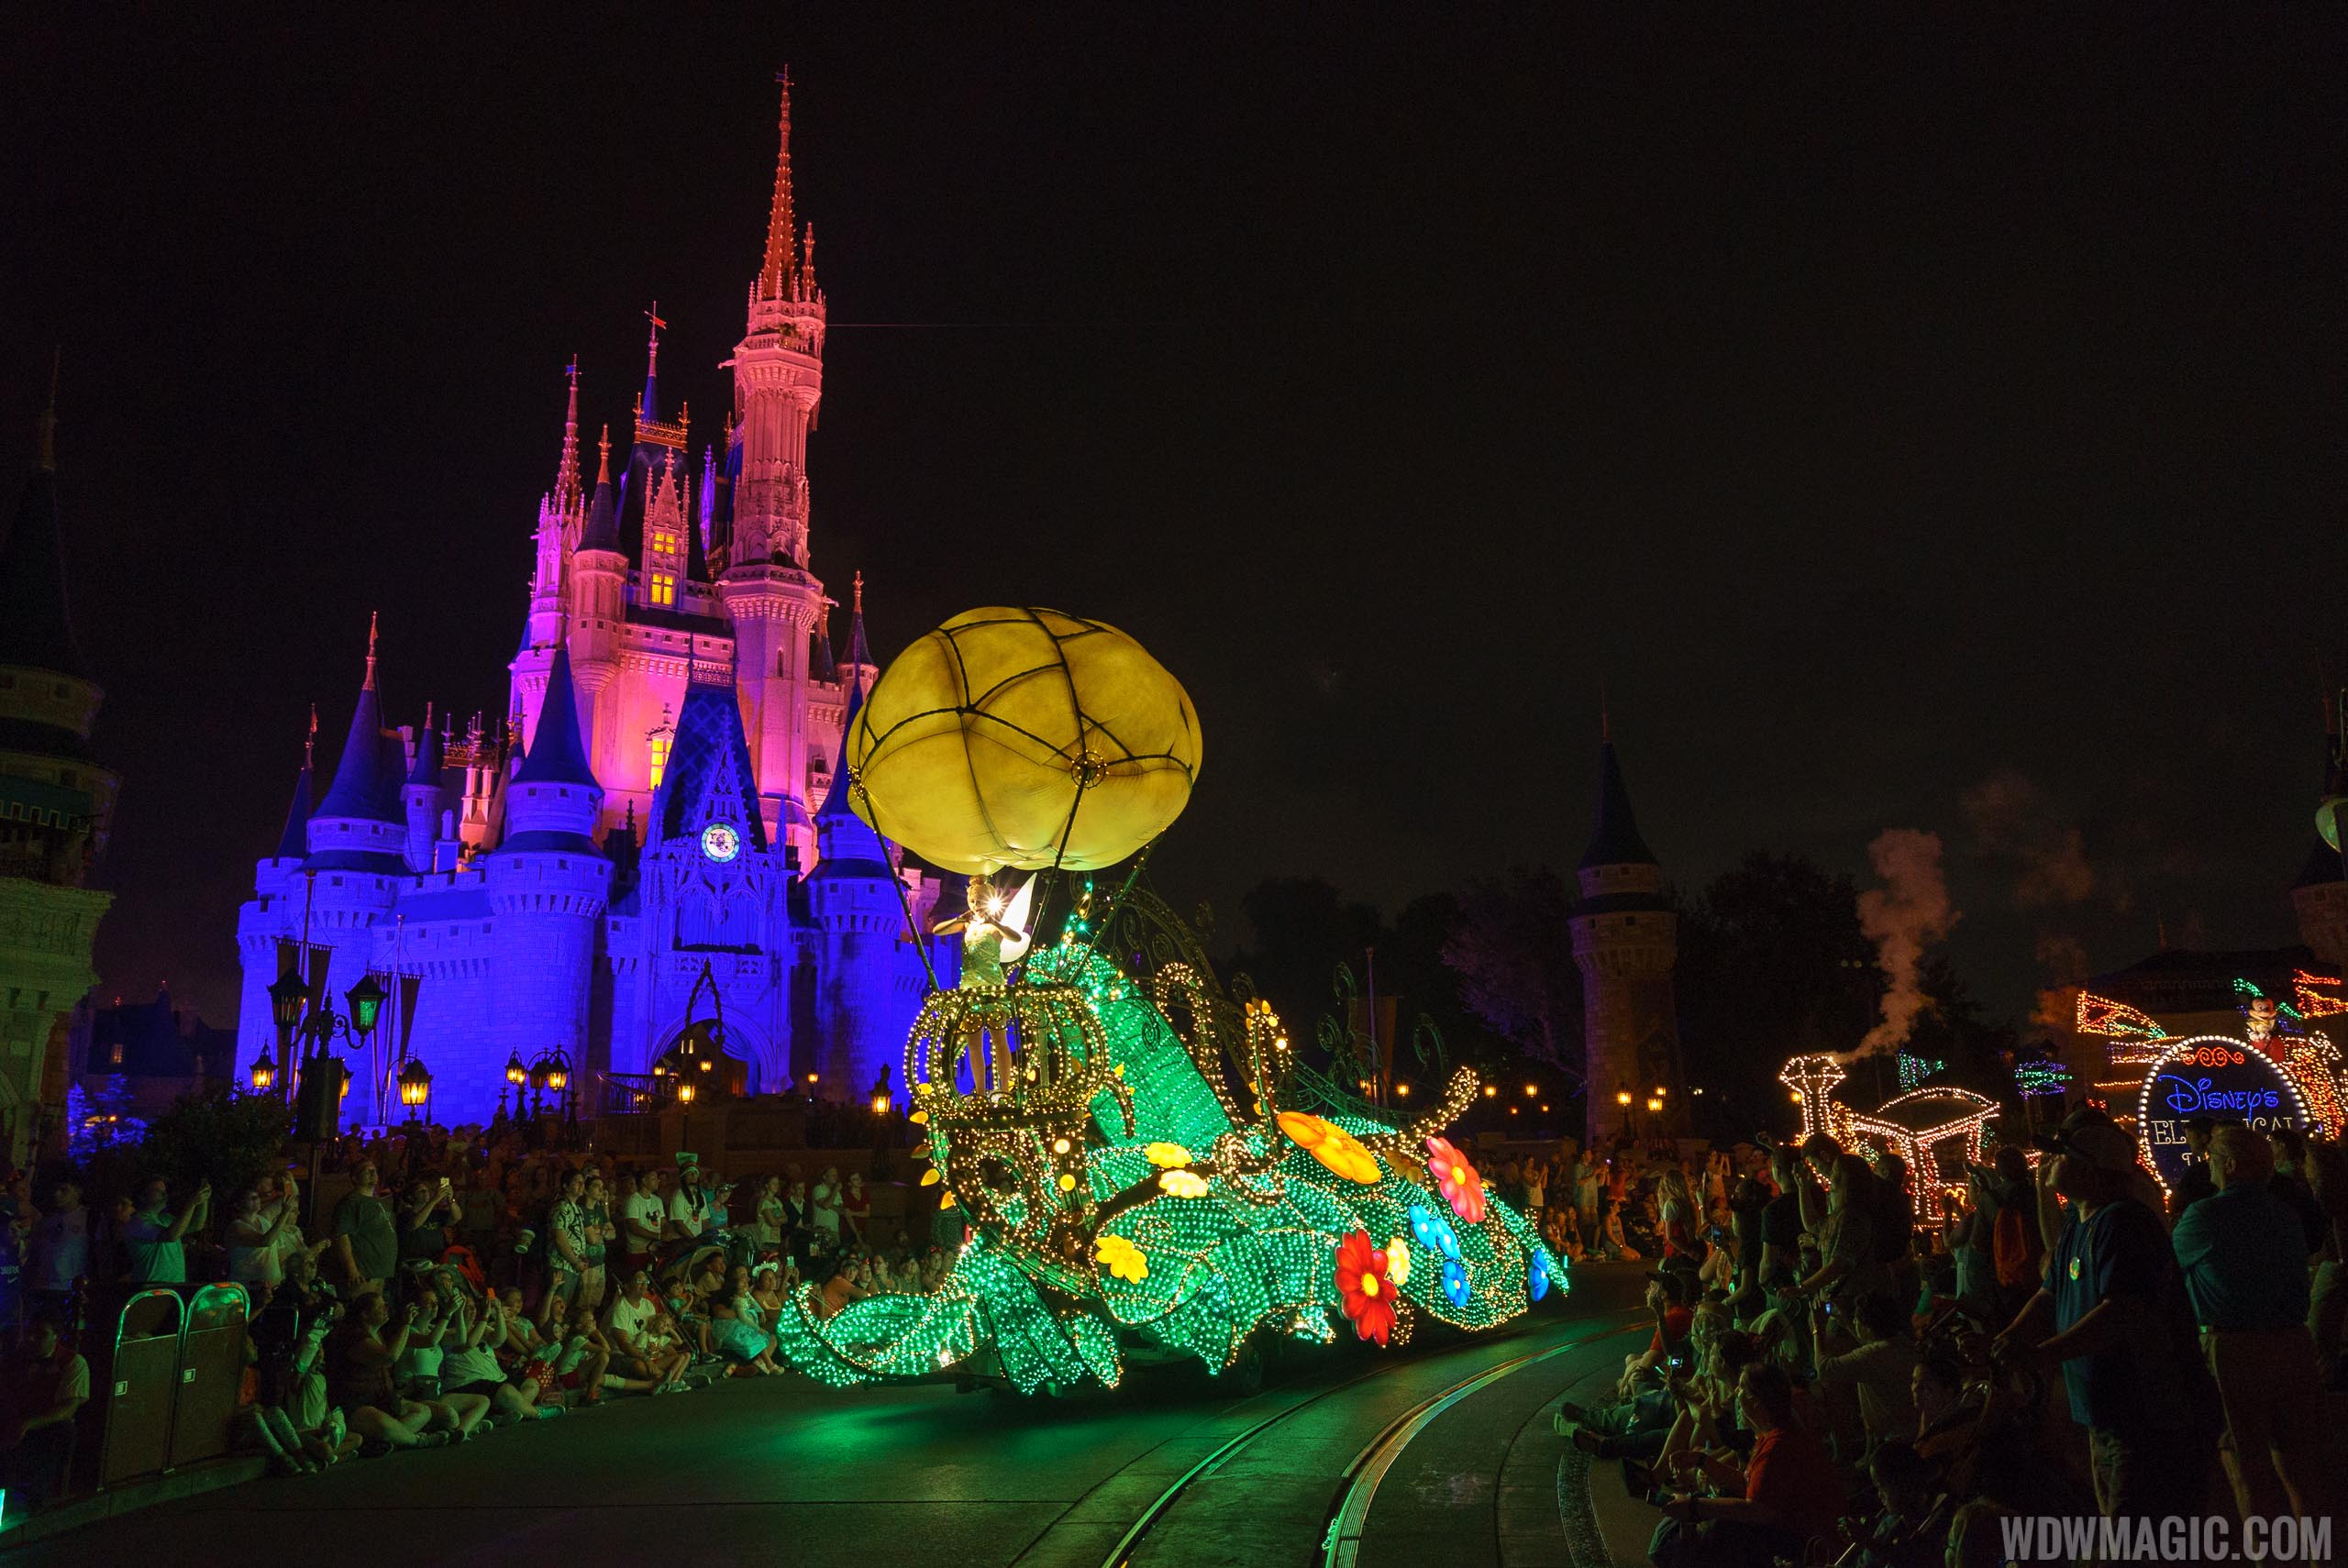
[599, 593]
[360, 826]
[547, 886]
[768, 591]
[294, 839]
[1625, 939]
[865, 987]
[561, 521]
[422, 797]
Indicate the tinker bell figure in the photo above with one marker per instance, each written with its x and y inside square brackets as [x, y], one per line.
[994, 933]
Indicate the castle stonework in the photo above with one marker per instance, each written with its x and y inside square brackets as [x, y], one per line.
[1627, 939]
[56, 808]
[645, 822]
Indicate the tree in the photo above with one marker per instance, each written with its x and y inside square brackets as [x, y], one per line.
[1511, 953]
[1772, 963]
[1301, 929]
[217, 1135]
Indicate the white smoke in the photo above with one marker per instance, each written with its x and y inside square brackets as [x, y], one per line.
[1906, 915]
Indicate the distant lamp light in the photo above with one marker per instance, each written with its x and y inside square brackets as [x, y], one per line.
[342, 1088]
[1622, 1096]
[516, 1073]
[366, 999]
[1404, 1090]
[1491, 1090]
[1654, 1103]
[287, 999]
[1795, 1095]
[814, 1078]
[684, 1091]
[264, 1071]
[1660, 1091]
[881, 1103]
[557, 1071]
[1698, 1090]
[1531, 1090]
[416, 1084]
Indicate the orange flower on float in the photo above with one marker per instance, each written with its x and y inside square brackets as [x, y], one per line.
[1456, 1179]
[1331, 1144]
[1363, 1287]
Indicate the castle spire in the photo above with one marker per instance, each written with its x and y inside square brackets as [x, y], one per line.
[859, 651]
[368, 684]
[566, 473]
[293, 841]
[775, 276]
[557, 751]
[36, 622]
[1616, 841]
[602, 529]
[647, 411]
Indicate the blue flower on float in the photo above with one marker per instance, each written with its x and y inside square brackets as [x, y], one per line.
[1537, 1278]
[1433, 1230]
[1455, 1281]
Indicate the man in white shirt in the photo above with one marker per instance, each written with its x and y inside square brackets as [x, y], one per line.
[643, 1213]
[639, 1348]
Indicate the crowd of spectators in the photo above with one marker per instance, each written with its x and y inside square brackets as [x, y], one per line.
[459, 1283]
[1832, 1378]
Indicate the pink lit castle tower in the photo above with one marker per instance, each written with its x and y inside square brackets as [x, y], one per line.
[646, 820]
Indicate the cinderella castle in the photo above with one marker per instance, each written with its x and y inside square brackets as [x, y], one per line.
[660, 827]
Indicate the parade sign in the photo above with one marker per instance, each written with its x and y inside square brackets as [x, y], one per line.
[2217, 1077]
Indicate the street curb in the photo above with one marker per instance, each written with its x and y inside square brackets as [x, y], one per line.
[208, 1476]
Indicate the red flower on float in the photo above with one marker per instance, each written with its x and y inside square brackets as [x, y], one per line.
[1367, 1294]
[1456, 1179]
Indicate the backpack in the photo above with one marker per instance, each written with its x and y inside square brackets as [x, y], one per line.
[2014, 1244]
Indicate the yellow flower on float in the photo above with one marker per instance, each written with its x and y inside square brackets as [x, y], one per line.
[1167, 1155]
[1182, 1184]
[1398, 1261]
[1121, 1258]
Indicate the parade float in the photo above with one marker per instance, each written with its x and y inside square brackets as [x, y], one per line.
[1144, 1167]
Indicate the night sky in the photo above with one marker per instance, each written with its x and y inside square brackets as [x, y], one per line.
[1934, 427]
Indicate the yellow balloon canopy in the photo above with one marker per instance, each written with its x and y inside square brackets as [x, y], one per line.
[1021, 739]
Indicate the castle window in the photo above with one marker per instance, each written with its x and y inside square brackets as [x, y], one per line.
[665, 544]
[657, 742]
[664, 589]
[115, 1055]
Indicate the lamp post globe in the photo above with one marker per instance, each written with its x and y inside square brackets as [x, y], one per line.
[366, 1000]
[287, 999]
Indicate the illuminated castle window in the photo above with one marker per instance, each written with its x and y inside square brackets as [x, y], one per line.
[658, 743]
[664, 589]
[665, 544]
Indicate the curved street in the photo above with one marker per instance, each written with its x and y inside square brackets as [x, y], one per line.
[1347, 1457]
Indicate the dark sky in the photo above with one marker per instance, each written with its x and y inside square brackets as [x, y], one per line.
[1890, 416]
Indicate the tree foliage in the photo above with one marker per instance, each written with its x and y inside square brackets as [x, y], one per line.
[1511, 954]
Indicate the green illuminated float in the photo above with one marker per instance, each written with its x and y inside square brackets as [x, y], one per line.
[1127, 1144]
